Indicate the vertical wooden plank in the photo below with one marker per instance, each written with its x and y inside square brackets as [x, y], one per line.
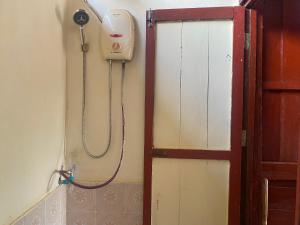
[250, 117]
[181, 196]
[204, 195]
[290, 126]
[291, 40]
[297, 207]
[257, 190]
[167, 85]
[271, 126]
[165, 192]
[220, 84]
[237, 116]
[149, 110]
[194, 85]
[272, 40]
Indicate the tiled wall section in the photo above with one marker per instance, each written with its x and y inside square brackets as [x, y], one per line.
[115, 204]
[49, 211]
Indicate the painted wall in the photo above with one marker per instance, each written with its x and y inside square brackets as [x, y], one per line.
[32, 96]
[132, 168]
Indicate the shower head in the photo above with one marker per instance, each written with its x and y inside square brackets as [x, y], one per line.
[81, 17]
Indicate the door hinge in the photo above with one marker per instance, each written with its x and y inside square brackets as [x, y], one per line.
[244, 138]
[247, 41]
[150, 18]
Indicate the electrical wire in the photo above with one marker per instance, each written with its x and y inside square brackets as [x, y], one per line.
[83, 118]
[66, 175]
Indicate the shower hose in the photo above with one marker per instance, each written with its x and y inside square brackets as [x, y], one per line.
[65, 173]
[83, 118]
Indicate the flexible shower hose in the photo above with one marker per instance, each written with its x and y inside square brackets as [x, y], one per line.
[97, 186]
[66, 174]
[83, 118]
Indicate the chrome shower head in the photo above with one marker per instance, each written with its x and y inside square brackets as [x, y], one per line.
[81, 17]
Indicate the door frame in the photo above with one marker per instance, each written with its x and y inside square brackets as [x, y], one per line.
[237, 14]
[249, 200]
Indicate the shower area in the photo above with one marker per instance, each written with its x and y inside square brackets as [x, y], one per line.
[147, 119]
[101, 87]
[194, 104]
[193, 118]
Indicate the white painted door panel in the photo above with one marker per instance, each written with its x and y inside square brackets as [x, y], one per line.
[193, 85]
[165, 192]
[167, 85]
[220, 82]
[190, 192]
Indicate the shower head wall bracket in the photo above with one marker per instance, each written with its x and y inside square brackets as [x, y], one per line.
[81, 17]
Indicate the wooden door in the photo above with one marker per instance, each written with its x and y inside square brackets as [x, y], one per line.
[193, 116]
[277, 143]
[280, 107]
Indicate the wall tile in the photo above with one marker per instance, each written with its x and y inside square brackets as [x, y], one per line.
[133, 219]
[50, 211]
[80, 199]
[36, 216]
[115, 204]
[133, 199]
[53, 214]
[81, 218]
[111, 199]
[118, 219]
[63, 205]
[19, 222]
[109, 219]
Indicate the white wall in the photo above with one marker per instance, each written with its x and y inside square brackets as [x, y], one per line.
[132, 168]
[32, 96]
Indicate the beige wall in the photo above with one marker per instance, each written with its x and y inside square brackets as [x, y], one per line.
[32, 96]
[132, 168]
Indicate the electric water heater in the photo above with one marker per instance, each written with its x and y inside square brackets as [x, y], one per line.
[117, 36]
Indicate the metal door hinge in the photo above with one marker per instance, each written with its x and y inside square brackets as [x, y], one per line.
[244, 138]
[150, 18]
[247, 41]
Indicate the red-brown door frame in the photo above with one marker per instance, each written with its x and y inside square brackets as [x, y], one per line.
[249, 206]
[297, 207]
[237, 14]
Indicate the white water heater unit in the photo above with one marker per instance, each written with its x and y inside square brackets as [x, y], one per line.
[117, 36]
